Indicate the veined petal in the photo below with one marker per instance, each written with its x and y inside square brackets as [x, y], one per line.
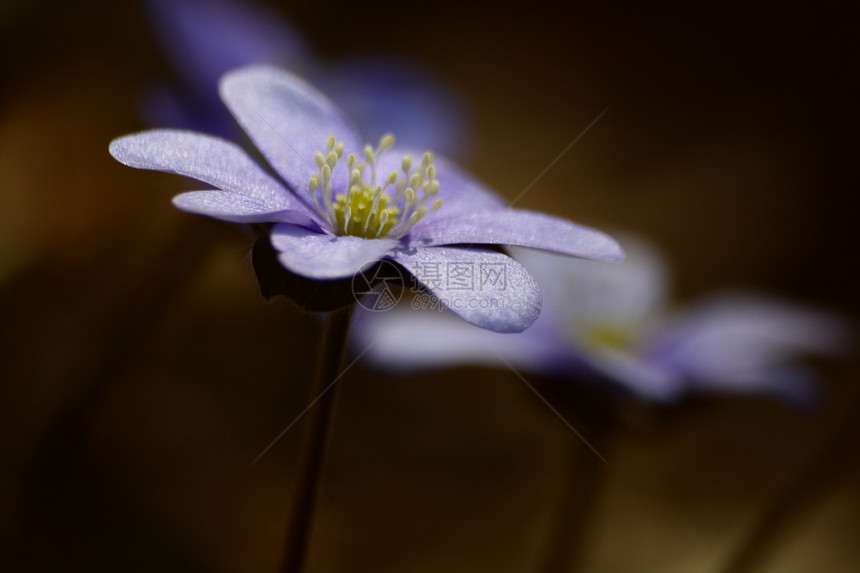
[518, 228]
[209, 159]
[485, 288]
[324, 257]
[238, 208]
[289, 121]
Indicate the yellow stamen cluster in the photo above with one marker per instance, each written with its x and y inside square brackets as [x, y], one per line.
[366, 209]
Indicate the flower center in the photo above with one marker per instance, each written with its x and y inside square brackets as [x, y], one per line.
[367, 209]
[609, 336]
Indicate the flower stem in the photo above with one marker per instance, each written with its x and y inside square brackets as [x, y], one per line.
[319, 426]
[565, 547]
[819, 476]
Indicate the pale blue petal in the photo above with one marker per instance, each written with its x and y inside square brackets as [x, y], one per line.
[485, 288]
[647, 380]
[518, 228]
[405, 339]
[583, 293]
[289, 121]
[323, 256]
[736, 333]
[205, 158]
[238, 208]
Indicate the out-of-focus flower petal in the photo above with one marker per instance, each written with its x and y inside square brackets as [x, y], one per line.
[736, 333]
[289, 121]
[518, 228]
[509, 306]
[206, 38]
[583, 292]
[645, 379]
[324, 256]
[405, 339]
[389, 94]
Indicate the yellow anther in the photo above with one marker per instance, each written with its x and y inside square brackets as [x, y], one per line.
[350, 161]
[386, 142]
[406, 164]
[368, 153]
[339, 150]
[320, 160]
[435, 205]
[331, 159]
[417, 215]
[329, 143]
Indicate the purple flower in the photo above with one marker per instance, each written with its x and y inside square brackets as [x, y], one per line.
[612, 322]
[203, 39]
[334, 214]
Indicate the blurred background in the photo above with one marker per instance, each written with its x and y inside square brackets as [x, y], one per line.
[142, 372]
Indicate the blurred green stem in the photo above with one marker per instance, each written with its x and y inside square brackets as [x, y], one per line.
[320, 417]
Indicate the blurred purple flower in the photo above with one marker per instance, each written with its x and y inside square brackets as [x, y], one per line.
[611, 322]
[334, 215]
[204, 39]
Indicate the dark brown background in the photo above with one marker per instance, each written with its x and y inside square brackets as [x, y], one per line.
[730, 140]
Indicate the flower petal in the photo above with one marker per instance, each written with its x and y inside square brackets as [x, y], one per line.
[205, 158]
[322, 256]
[485, 288]
[206, 38]
[407, 339]
[729, 335]
[518, 228]
[238, 208]
[383, 93]
[289, 121]
[645, 379]
[583, 293]
[460, 192]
